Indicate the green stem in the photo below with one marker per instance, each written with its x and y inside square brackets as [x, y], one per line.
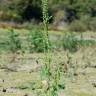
[46, 35]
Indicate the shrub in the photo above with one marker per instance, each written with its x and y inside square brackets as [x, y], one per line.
[85, 23]
[77, 26]
[70, 43]
[86, 42]
[36, 43]
[14, 41]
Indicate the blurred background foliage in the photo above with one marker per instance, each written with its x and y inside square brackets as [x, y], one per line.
[78, 15]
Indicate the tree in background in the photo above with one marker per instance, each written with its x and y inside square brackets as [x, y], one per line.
[70, 11]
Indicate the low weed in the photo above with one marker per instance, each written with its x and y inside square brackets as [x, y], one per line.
[14, 43]
[72, 42]
[35, 41]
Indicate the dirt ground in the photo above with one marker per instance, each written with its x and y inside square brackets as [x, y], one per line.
[22, 77]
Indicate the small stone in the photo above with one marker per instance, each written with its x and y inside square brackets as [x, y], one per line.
[94, 84]
[3, 81]
[45, 84]
[26, 95]
[4, 90]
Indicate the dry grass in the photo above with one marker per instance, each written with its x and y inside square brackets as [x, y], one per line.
[20, 82]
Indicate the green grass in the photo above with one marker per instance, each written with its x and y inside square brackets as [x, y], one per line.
[72, 42]
[57, 40]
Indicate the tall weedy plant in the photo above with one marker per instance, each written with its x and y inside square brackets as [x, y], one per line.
[52, 83]
[46, 71]
[47, 51]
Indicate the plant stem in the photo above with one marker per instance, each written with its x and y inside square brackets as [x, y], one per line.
[46, 36]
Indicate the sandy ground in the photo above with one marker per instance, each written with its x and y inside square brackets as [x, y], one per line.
[22, 77]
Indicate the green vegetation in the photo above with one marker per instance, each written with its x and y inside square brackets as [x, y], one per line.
[72, 43]
[64, 66]
[40, 61]
[78, 15]
[14, 42]
[36, 41]
[52, 83]
[32, 41]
